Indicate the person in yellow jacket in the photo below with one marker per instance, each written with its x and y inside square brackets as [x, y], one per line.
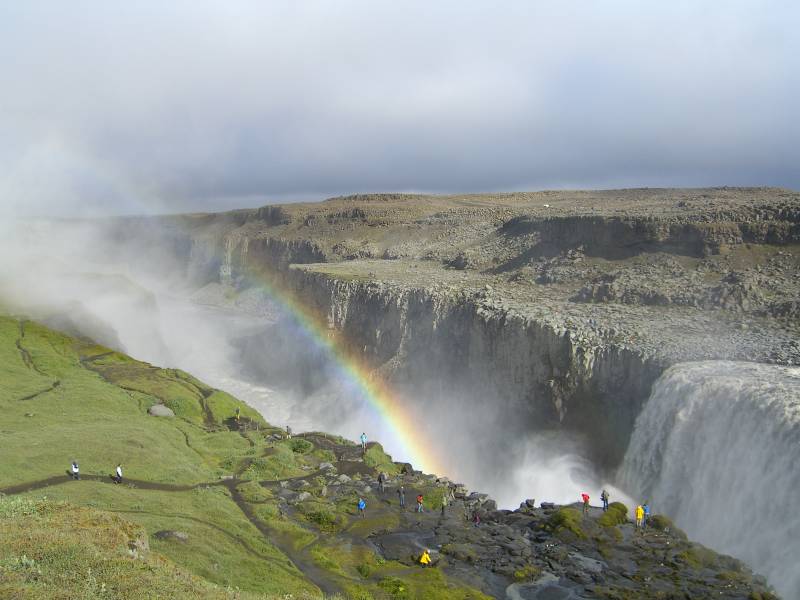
[639, 516]
[425, 559]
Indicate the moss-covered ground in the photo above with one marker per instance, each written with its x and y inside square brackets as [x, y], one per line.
[215, 479]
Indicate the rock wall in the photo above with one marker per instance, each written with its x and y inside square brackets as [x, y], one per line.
[537, 376]
[619, 237]
[433, 345]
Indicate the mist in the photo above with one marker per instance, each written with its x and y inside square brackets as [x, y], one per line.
[716, 447]
[81, 277]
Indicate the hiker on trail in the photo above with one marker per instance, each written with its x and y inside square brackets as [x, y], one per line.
[476, 518]
[364, 441]
[585, 498]
[75, 471]
[420, 502]
[238, 414]
[117, 476]
[604, 498]
[401, 493]
[382, 482]
[288, 432]
[425, 559]
[444, 503]
[646, 515]
[362, 506]
[639, 516]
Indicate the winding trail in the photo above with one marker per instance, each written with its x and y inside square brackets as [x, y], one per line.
[299, 558]
[24, 353]
[52, 387]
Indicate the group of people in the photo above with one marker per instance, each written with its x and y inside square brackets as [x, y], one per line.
[75, 472]
[642, 515]
[642, 511]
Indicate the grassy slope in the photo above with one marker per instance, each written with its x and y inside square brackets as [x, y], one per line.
[62, 398]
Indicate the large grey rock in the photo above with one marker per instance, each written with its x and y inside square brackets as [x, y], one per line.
[178, 536]
[159, 410]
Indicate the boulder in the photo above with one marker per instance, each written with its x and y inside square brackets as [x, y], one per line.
[159, 410]
[178, 536]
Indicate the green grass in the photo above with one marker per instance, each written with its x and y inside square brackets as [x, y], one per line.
[566, 519]
[617, 514]
[65, 399]
[91, 418]
[55, 550]
[376, 458]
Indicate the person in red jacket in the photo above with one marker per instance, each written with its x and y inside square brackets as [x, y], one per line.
[585, 498]
[420, 501]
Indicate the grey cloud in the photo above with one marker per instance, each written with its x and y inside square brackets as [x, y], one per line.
[196, 106]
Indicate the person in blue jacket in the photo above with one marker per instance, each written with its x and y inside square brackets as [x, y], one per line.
[362, 507]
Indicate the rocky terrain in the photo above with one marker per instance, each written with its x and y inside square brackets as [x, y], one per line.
[219, 506]
[563, 307]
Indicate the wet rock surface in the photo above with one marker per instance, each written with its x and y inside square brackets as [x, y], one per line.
[530, 553]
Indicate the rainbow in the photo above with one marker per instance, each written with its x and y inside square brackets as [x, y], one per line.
[386, 403]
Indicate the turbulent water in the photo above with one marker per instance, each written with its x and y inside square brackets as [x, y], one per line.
[717, 447]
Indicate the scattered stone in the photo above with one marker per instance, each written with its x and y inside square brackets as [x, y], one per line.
[159, 410]
[167, 534]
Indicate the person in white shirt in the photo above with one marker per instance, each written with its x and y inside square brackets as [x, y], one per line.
[75, 471]
[117, 477]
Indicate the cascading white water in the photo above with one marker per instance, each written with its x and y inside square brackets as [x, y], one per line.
[717, 447]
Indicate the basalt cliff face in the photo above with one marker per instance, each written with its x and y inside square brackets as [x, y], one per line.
[558, 309]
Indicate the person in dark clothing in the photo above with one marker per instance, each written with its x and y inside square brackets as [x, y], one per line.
[74, 470]
[382, 482]
[117, 476]
[604, 498]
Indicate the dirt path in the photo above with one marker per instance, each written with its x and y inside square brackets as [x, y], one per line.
[304, 563]
[52, 387]
[137, 483]
[26, 356]
[300, 557]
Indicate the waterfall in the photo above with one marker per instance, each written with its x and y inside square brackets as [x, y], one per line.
[717, 448]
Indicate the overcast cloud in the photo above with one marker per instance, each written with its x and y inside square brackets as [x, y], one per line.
[110, 107]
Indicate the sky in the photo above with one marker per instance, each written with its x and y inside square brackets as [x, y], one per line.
[152, 107]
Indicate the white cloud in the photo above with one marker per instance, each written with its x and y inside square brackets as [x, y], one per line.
[194, 105]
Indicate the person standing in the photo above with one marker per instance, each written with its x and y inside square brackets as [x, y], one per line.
[604, 498]
[646, 514]
[585, 498]
[75, 471]
[444, 503]
[362, 507]
[288, 432]
[425, 559]
[364, 442]
[382, 482]
[401, 493]
[117, 477]
[420, 502]
[639, 516]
